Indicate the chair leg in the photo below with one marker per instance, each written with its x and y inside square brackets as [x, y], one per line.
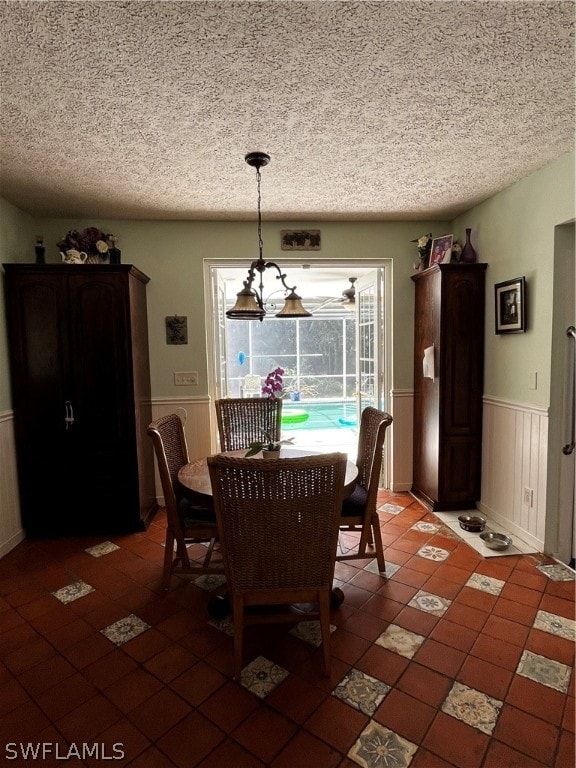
[324, 605]
[365, 540]
[378, 543]
[209, 553]
[238, 619]
[168, 555]
[182, 552]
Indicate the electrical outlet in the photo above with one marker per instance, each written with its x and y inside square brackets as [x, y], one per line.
[185, 378]
[528, 497]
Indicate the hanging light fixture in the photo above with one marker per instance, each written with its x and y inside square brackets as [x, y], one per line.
[250, 303]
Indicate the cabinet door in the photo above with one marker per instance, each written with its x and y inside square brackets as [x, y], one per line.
[102, 396]
[461, 393]
[37, 315]
[427, 390]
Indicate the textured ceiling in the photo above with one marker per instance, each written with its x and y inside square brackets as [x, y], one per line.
[369, 110]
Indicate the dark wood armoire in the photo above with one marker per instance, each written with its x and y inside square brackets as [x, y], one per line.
[80, 376]
[449, 323]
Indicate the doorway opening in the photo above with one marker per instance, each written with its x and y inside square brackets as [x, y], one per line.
[335, 363]
[561, 486]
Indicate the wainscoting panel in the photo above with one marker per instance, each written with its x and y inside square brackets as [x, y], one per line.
[11, 531]
[400, 439]
[514, 458]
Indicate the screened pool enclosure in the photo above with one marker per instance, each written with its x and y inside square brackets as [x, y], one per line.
[317, 354]
[334, 361]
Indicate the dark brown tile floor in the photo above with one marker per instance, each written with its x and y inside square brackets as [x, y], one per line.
[451, 660]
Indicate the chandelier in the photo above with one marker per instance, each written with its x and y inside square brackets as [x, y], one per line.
[250, 303]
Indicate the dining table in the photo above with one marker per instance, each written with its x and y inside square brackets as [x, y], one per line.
[196, 477]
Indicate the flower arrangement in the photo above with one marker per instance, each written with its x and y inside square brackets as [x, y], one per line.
[90, 242]
[424, 246]
[273, 386]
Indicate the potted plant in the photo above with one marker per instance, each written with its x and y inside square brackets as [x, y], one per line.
[297, 387]
[270, 448]
[273, 386]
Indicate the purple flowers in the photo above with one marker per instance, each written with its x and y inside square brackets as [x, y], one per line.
[273, 386]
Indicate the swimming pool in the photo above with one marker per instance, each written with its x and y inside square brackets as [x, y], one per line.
[321, 415]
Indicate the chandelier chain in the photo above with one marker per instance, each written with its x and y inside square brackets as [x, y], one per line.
[260, 241]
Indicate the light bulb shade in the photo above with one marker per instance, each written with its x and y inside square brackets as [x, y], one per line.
[293, 307]
[246, 307]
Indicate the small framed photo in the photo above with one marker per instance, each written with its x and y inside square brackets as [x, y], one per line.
[441, 251]
[300, 239]
[510, 306]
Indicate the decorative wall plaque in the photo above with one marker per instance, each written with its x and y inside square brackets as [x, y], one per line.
[300, 239]
[177, 330]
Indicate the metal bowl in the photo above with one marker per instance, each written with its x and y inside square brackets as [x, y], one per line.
[472, 523]
[496, 540]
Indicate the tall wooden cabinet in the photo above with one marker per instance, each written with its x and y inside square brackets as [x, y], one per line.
[78, 339]
[448, 330]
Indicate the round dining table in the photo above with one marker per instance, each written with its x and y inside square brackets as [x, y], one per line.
[196, 476]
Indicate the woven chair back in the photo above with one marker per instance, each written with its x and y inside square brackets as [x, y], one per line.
[278, 520]
[373, 425]
[242, 421]
[171, 451]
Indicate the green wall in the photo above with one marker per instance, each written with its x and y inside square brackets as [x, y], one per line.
[512, 231]
[172, 253]
[17, 238]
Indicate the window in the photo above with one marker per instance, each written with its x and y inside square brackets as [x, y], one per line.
[318, 353]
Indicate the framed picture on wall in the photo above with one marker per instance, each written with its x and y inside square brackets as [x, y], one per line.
[441, 250]
[300, 239]
[510, 306]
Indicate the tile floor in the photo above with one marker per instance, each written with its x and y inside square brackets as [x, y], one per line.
[452, 659]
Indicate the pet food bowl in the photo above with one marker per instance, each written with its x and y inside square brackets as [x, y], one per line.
[472, 523]
[496, 540]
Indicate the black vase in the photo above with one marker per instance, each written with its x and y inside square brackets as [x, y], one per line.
[40, 251]
[115, 255]
[468, 255]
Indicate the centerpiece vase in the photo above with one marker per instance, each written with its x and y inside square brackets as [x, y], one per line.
[468, 255]
[268, 453]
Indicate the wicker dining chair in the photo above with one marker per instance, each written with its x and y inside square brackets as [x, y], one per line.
[359, 509]
[242, 421]
[278, 522]
[190, 517]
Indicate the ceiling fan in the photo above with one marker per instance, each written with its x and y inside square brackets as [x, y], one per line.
[349, 295]
[348, 299]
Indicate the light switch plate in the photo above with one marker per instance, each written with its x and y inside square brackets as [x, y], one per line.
[185, 378]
